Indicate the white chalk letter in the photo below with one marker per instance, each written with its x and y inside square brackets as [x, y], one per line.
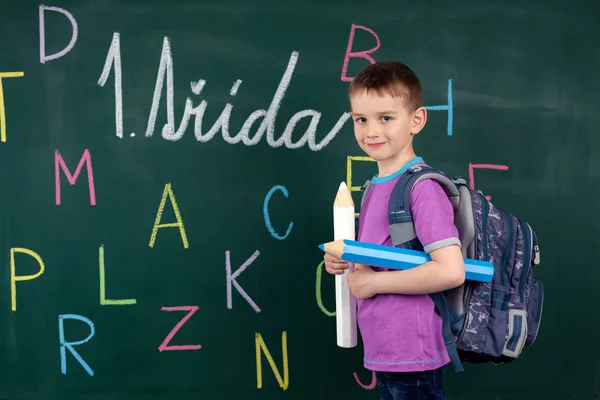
[43, 56]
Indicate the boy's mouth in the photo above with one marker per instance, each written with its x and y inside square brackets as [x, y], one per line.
[375, 145]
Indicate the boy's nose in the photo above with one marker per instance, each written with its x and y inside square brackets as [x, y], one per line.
[372, 132]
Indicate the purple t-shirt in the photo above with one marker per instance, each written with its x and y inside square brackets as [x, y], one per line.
[403, 333]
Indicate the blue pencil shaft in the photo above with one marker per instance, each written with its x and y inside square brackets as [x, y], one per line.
[397, 258]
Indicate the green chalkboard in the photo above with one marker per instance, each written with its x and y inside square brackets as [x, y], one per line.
[153, 253]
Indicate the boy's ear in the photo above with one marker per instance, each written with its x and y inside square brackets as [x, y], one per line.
[419, 118]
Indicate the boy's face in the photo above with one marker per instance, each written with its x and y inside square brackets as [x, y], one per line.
[383, 126]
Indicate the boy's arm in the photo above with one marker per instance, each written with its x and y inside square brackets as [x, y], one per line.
[434, 224]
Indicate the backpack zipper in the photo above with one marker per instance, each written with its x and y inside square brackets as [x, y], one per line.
[509, 245]
[485, 210]
[529, 248]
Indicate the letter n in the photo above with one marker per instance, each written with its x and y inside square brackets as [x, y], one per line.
[260, 345]
[85, 158]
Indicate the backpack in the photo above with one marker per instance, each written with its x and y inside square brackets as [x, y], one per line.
[481, 322]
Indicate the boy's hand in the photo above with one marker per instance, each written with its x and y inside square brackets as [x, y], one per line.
[334, 266]
[360, 281]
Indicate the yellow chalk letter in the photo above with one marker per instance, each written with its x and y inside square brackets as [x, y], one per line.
[260, 344]
[179, 222]
[2, 113]
[13, 276]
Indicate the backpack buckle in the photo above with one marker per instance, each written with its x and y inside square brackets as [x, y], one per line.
[459, 180]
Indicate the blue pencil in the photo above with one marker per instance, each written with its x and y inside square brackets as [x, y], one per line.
[397, 258]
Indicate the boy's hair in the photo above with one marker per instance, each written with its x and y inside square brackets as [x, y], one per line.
[390, 77]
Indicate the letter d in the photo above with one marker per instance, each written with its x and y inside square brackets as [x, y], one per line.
[43, 57]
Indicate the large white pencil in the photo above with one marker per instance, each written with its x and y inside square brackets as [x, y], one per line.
[345, 302]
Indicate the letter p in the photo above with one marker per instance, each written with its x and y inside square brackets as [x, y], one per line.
[13, 275]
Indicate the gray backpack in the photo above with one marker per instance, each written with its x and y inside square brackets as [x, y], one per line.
[482, 322]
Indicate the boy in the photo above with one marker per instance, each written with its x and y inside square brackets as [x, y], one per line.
[399, 326]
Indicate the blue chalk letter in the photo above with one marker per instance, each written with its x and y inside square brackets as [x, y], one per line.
[266, 212]
[69, 345]
[448, 107]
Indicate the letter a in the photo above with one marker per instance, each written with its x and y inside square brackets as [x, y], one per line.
[358, 54]
[260, 345]
[179, 223]
[13, 275]
[43, 56]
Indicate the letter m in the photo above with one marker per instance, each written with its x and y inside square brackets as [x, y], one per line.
[59, 161]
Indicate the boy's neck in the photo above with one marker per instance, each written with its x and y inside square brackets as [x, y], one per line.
[391, 165]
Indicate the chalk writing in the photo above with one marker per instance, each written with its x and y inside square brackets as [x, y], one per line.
[371, 385]
[2, 107]
[14, 278]
[168, 191]
[103, 300]
[260, 345]
[165, 344]
[113, 58]
[43, 56]
[483, 166]
[85, 158]
[169, 131]
[366, 54]
[358, 54]
[266, 213]
[446, 107]
[231, 279]
[64, 345]
[349, 160]
[318, 291]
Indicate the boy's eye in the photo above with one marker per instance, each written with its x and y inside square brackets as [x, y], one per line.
[360, 120]
[386, 118]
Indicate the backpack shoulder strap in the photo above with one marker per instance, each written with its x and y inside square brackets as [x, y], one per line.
[403, 234]
[365, 189]
[400, 217]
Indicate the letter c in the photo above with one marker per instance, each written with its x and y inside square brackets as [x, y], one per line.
[266, 212]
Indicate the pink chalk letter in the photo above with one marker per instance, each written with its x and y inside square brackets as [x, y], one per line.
[58, 160]
[483, 166]
[165, 344]
[358, 54]
[371, 386]
[231, 280]
[43, 56]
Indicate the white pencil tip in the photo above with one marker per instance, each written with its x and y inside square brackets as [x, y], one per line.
[343, 185]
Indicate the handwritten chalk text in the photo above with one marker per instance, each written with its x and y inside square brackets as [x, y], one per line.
[64, 345]
[85, 159]
[231, 279]
[179, 224]
[318, 291]
[260, 345]
[483, 166]
[268, 218]
[43, 56]
[171, 133]
[14, 278]
[165, 344]
[2, 107]
[103, 300]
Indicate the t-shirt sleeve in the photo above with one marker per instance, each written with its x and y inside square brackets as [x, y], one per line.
[433, 216]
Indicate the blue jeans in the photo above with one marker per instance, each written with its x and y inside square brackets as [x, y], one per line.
[426, 385]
